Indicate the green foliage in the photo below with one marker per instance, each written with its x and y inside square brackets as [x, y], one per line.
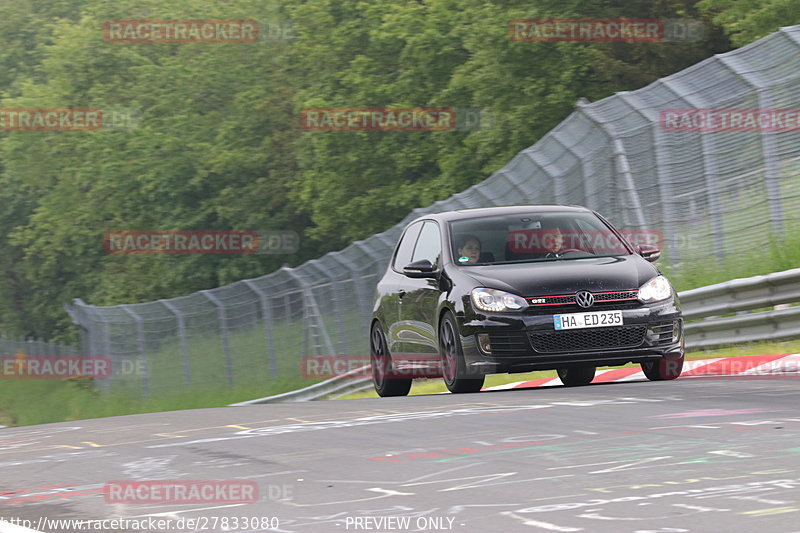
[216, 141]
[748, 20]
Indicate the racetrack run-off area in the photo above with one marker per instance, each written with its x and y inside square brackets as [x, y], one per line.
[756, 365]
[701, 454]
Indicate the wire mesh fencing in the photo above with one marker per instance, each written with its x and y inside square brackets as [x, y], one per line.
[712, 192]
[11, 345]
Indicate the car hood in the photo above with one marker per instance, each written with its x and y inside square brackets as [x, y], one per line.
[596, 274]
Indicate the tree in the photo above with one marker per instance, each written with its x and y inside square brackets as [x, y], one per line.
[748, 20]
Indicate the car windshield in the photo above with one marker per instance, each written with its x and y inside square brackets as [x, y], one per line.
[534, 237]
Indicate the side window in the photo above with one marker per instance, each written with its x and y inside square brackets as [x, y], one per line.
[429, 244]
[406, 247]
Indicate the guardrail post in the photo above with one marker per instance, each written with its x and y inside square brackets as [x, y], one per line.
[223, 333]
[187, 373]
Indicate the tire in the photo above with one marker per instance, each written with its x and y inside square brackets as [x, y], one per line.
[576, 376]
[385, 381]
[664, 369]
[454, 368]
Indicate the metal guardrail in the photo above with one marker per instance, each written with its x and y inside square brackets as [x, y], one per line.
[703, 307]
[339, 385]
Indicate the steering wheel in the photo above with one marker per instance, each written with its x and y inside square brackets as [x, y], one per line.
[562, 252]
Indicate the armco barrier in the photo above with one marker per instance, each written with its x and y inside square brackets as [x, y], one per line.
[340, 385]
[744, 297]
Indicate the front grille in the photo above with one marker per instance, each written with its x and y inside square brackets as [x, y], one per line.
[601, 298]
[572, 308]
[553, 300]
[509, 343]
[583, 340]
[619, 295]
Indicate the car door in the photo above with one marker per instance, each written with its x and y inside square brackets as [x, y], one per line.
[417, 334]
[393, 285]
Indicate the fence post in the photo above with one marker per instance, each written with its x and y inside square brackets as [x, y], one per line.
[768, 149]
[621, 164]
[266, 312]
[142, 350]
[223, 333]
[375, 256]
[312, 314]
[709, 169]
[362, 294]
[588, 185]
[187, 373]
[338, 314]
[558, 181]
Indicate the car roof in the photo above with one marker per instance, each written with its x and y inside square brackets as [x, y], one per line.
[480, 212]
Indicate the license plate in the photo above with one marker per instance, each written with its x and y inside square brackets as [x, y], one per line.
[594, 319]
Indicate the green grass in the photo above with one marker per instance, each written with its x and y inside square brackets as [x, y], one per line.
[433, 386]
[32, 401]
[745, 221]
[775, 255]
[27, 402]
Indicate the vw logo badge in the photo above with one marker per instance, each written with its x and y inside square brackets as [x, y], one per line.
[584, 299]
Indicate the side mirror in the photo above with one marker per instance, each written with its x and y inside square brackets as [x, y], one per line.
[650, 253]
[419, 269]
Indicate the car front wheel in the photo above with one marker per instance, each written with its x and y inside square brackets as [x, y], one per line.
[454, 367]
[576, 376]
[664, 369]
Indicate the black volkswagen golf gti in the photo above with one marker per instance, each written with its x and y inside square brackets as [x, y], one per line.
[521, 288]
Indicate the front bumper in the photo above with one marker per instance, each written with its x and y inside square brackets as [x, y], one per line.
[522, 342]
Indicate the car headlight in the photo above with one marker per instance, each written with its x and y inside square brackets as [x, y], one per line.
[655, 290]
[496, 301]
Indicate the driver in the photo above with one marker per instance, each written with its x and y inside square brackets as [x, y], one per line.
[470, 249]
[553, 241]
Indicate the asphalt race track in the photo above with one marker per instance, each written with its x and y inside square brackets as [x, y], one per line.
[699, 455]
